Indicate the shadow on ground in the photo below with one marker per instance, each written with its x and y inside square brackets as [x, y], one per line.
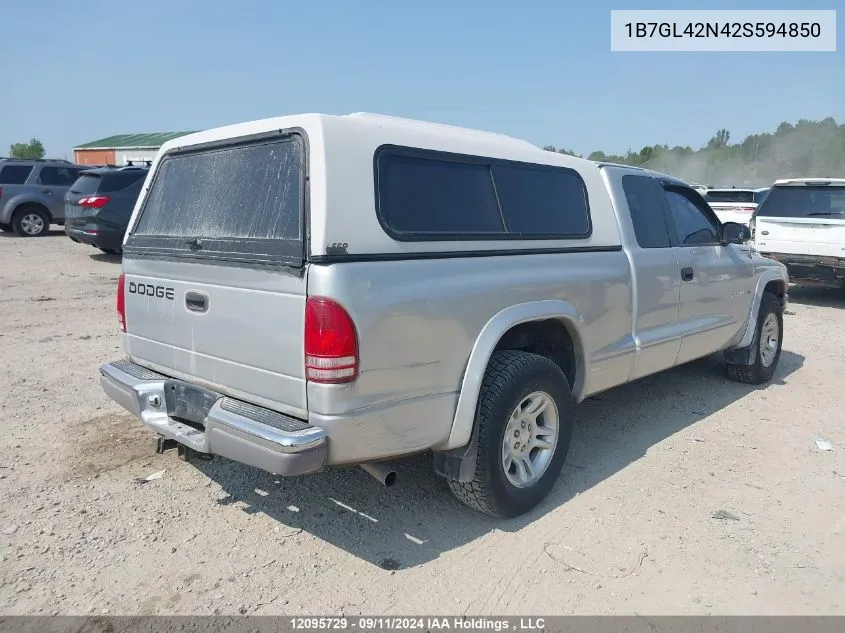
[416, 520]
[53, 232]
[817, 296]
[111, 258]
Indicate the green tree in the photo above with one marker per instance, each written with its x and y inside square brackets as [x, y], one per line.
[719, 140]
[33, 149]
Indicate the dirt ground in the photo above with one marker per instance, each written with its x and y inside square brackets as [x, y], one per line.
[682, 493]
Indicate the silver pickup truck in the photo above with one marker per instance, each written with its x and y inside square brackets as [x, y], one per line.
[312, 290]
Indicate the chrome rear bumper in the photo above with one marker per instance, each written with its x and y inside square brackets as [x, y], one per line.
[218, 425]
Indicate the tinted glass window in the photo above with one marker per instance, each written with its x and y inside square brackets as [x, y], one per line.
[426, 196]
[759, 196]
[87, 183]
[14, 174]
[542, 201]
[803, 202]
[729, 196]
[646, 203]
[238, 203]
[120, 180]
[57, 176]
[692, 225]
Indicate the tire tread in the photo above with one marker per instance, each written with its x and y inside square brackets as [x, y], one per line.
[756, 374]
[504, 368]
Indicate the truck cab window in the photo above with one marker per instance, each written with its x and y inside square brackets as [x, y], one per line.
[644, 196]
[693, 225]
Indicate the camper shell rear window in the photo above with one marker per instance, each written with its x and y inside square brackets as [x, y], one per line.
[240, 201]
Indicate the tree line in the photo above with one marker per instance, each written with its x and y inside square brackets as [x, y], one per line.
[807, 148]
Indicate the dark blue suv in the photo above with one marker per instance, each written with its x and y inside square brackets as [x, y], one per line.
[99, 204]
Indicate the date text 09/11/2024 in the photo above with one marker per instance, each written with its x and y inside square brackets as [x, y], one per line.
[723, 30]
[388, 623]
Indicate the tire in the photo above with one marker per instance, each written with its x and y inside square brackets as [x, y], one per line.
[31, 221]
[109, 251]
[6, 228]
[511, 379]
[766, 356]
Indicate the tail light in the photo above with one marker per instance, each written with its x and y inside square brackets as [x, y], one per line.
[744, 209]
[331, 342]
[1, 191]
[94, 202]
[121, 302]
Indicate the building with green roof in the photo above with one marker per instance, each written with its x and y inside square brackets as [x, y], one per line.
[122, 149]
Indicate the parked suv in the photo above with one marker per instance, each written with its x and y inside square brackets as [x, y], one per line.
[802, 224]
[317, 290]
[734, 205]
[32, 194]
[99, 204]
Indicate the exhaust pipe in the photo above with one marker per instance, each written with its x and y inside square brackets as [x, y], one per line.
[383, 474]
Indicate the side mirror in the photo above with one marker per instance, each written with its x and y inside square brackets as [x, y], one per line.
[735, 233]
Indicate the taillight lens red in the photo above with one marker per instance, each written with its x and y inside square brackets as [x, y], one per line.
[121, 302]
[94, 202]
[1, 191]
[331, 342]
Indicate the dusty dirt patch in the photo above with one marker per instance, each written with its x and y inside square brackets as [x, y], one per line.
[107, 442]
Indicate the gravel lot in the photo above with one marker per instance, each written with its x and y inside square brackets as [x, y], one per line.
[683, 493]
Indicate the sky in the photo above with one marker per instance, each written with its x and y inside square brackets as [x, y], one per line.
[539, 70]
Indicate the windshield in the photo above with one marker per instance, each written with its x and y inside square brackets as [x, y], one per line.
[738, 195]
[804, 202]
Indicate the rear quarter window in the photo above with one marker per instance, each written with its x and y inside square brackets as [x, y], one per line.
[645, 199]
[14, 174]
[87, 183]
[427, 195]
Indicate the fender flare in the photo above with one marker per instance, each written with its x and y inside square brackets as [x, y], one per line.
[12, 206]
[765, 278]
[482, 350]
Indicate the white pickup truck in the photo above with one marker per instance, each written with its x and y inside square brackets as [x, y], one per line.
[313, 290]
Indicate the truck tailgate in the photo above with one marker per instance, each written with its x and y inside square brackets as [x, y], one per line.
[214, 269]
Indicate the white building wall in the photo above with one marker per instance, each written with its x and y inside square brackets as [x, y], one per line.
[123, 156]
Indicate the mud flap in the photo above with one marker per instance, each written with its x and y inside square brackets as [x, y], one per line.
[743, 355]
[458, 464]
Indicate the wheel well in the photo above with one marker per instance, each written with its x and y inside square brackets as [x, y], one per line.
[777, 288]
[23, 206]
[547, 337]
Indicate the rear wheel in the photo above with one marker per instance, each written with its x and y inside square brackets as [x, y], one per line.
[524, 426]
[767, 343]
[30, 221]
[109, 251]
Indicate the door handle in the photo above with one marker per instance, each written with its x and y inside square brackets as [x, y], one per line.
[687, 273]
[47, 191]
[196, 301]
